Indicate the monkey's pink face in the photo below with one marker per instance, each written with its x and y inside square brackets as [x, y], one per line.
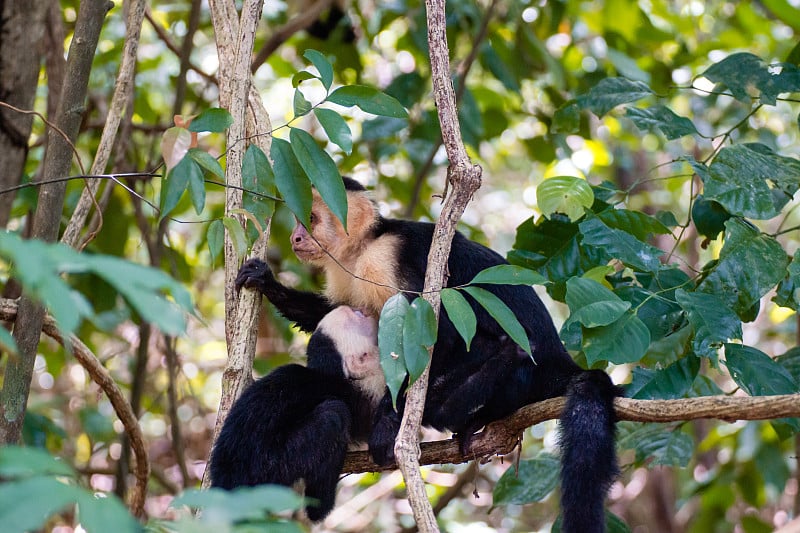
[304, 246]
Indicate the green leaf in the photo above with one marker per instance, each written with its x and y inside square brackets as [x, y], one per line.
[752, 181]
[335, 128]
[322, 171]
[623, 341]
[564, 194]
[498, 310]
[592, 305]
[788, 291]
[99, 514]
[216, 238]
[714, 323]
[237, 235]
[749, 265]
[638, 224]
[611, 92]
[7, 341]
[197, 186]
[669, 383]
[368, 99]
[301, 105]
[709, 217]
[567, 118]
[300, 77]
[26, 504]
[390, 342]
[205, 160]
[292, 181]
[620, 245]
[214, 120]
[535, 479]
[508, 275]
[323, 66]
[240, 504]
[175, 184]
[663, 119]
[663, 446]
[22, 462]
[419, 334]
[748, 76]
[756, 372]
[460, 313]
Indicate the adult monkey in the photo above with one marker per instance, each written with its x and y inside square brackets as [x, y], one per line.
[378, 256]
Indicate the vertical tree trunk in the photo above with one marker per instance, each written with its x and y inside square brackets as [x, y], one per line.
[22, 26]
[47, 220]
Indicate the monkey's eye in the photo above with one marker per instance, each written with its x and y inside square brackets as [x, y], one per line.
[312, 218]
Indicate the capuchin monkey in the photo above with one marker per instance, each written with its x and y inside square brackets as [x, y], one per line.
[377, 257]
[297, 422]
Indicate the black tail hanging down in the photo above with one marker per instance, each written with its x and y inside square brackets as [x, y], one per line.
[588, 459]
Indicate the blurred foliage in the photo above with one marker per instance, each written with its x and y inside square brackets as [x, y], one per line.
[660, 138]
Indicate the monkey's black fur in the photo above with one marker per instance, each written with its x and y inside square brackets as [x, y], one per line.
[295, 423]
[468, 389]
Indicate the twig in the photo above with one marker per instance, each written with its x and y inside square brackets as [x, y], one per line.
[98, 373]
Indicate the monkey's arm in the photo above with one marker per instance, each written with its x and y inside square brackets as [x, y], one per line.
[303, 308]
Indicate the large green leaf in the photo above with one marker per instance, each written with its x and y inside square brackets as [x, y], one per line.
[531, 482]
[714, 323]
[292, 181]
[568, 195]
[26, 504]
[99, 514]
[368, 99]
[508, 275]
[567, 118]
[504, 316]
[620, 245]
[323, 66]
[788, 291]
[322, 171]
[419, 334]
[20, 462]
[207, 161]
[757, 373]
[460, 313]
[747, 76]
[638, 224]
[390, 342]
[750, 264]
[657, 443]
[335, 128]
[669, 383]
[624, 341]
[611, 92]
[214, 119]
[240, 504]
[176, 183]
[752, 181]
[661, 118]
[591, 304]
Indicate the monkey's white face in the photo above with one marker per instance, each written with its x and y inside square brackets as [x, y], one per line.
[356, 338]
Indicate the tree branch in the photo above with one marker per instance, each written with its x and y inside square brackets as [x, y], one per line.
[98, 373]
[501, 437]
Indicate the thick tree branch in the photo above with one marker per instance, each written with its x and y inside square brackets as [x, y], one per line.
[501, 437]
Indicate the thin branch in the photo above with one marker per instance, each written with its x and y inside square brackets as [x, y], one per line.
[98, 373]
[164, 36]
[501, 437]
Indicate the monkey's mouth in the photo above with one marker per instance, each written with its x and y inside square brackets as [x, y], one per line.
[306, 253]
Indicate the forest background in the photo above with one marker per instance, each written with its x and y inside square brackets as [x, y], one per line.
[640, 156]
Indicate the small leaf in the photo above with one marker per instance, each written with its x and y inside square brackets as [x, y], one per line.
[508, 275]
[611, 92]
[568, 195]
[620, 245]
[368, 99]
[175, 144]
[301, 105]
[323, 66]
[390, 342]
[663, 119]
[216, 238]
[663, 446]
[197, 185]
[638, 224]
[205, 160]
[535, 479]
[175, 184]
[756, 372]
[624, 341]
[302, 76]
[419, 334]
[460, 313]
[292, 181]
[322, 171]
[335, 128]
[257, 174]
[237, 235]
[567, 118]
[214, 120]
[593, 305]
[498, 310]
[669, 383]
[714, 323]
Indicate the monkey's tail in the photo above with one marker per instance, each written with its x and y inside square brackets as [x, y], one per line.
[588, 458]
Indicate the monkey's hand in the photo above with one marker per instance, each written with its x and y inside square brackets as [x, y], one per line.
[384, 433]
[255, 274]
